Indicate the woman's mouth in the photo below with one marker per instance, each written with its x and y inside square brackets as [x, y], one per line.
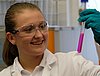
[37, 42]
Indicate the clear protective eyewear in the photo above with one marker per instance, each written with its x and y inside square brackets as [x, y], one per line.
[30, 30]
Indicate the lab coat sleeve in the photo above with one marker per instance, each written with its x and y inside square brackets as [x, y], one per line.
[85, 67]
[74, 64]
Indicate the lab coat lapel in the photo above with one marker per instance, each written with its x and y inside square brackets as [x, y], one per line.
[46, 71]
[49, 65]
[50, 71]
[16, 74]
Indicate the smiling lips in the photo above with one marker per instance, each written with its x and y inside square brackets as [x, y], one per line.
[37, 42]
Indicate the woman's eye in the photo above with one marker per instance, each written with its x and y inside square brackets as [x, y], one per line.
[43, 26]
[29, 29]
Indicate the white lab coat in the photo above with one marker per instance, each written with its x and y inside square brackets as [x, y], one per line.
[62, 64]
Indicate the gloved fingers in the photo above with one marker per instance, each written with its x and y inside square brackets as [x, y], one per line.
[87, 26]
[92, 22]
[88, 11]
[93, 26]
[84, 18]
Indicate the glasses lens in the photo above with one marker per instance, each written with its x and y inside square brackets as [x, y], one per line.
[43, 26]
[30, 29]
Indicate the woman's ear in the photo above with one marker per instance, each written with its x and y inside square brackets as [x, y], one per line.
[10, 37]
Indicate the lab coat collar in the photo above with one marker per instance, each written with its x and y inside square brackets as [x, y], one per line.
[50, 60]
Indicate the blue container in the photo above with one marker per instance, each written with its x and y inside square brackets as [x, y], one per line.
[84, 0]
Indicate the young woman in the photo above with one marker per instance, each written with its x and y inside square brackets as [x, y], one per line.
[25, 49]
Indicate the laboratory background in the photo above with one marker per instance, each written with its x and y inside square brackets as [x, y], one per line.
[64, 29]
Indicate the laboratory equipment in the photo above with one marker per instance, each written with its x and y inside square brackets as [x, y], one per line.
[82, 24]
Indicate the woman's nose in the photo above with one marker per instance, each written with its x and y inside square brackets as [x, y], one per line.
[38, 34]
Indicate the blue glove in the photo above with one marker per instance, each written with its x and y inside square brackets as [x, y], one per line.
[91, 17]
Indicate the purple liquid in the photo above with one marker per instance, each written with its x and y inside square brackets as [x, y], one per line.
[80, 42]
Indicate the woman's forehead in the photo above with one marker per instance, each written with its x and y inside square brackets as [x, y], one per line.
[29, 16]
[29, 12]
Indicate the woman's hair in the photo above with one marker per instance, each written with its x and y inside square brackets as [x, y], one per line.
[10, 51]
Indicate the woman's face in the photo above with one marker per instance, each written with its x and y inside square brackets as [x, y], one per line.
[31, 43]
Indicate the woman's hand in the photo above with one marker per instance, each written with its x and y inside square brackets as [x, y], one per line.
[91, 17]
